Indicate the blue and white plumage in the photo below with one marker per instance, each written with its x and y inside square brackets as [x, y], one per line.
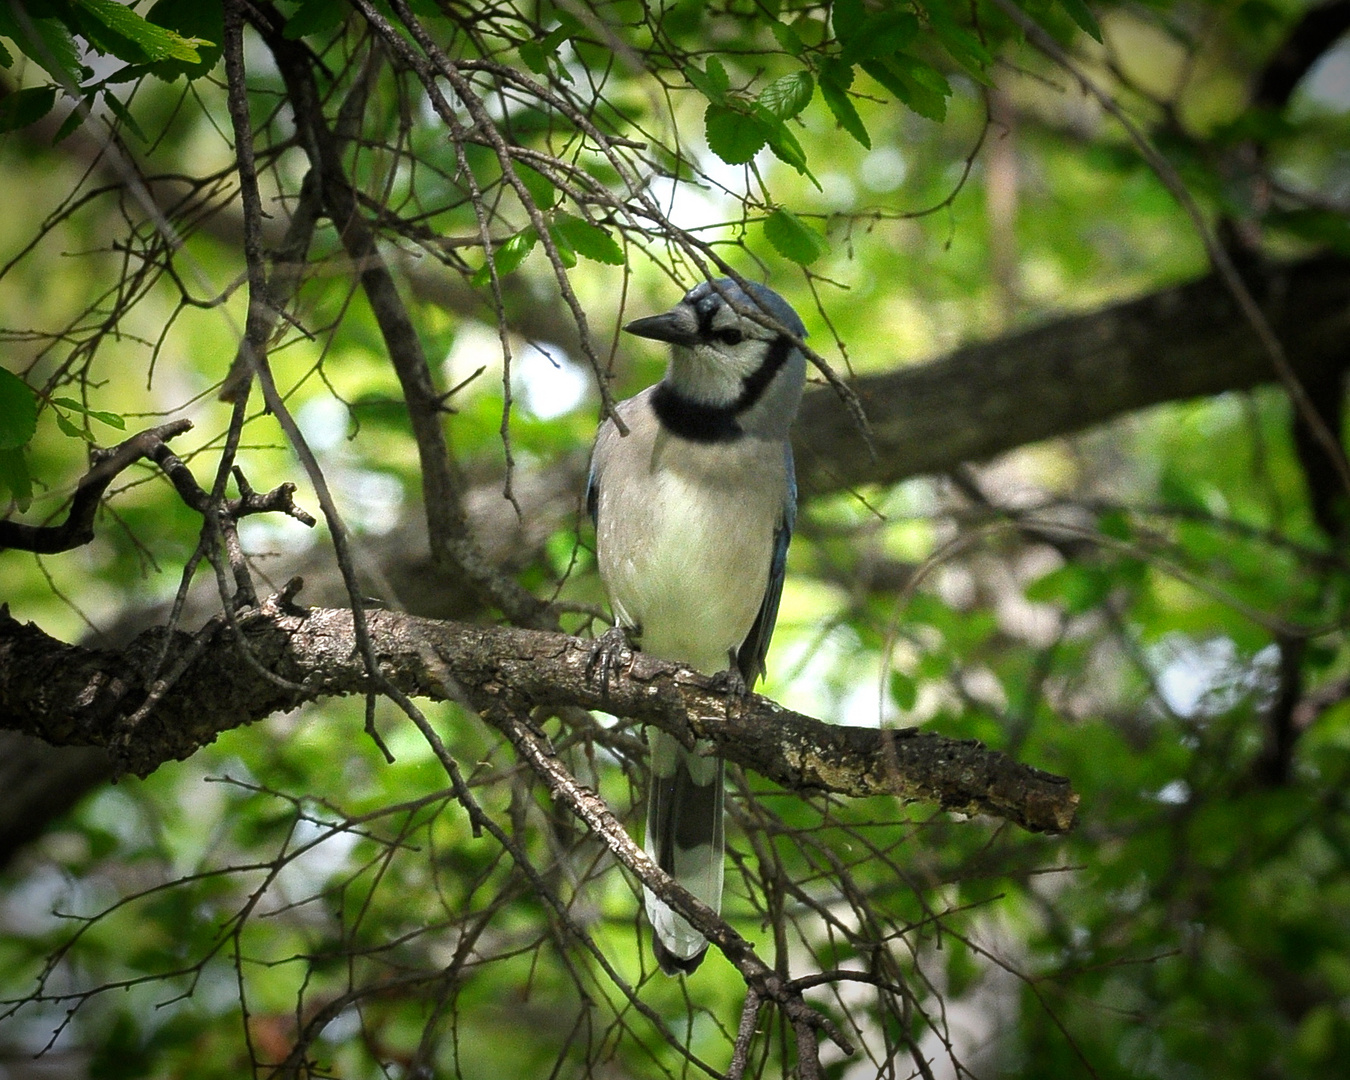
[693, 511]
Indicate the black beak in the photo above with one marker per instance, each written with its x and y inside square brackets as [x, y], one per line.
[678, 327]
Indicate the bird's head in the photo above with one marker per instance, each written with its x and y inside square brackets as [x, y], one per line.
[724, 357]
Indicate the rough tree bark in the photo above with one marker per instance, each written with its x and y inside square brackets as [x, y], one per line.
[1073, 373]
[72, 696]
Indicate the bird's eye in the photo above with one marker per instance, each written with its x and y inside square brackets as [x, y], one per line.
[730, 336]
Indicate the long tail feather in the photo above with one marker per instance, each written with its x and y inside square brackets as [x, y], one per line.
[685, 837]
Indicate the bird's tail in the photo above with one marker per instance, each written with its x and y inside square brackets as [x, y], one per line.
[684, 836]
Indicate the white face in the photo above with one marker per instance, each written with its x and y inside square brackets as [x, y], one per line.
[729, 348]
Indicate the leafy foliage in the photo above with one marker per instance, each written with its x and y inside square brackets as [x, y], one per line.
[1156, 608]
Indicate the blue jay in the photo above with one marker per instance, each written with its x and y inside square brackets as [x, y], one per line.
[693, 512]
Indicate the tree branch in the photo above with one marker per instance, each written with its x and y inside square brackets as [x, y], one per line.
[78, 528]
[73, 696]
[1074, 372]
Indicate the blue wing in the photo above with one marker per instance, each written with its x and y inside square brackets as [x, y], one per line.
[750, 656]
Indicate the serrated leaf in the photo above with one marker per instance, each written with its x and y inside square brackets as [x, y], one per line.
[734, 136]
[783, 143]
[961, 44]
[199, 21]
[787, 38]
[14, 476]
[589, 240]
[540, 187]
[18, 411]
[793, 239]
[6, 57]
[717, 74]
[915, 83]
[841, 105]
[712, 83]
[533, 55]
[155, 42]
[47, 42]
[508, 256]
[1079, 13]
[567, 254]
[788, 96]
[847, 17]
[24, 107]
[315, 17]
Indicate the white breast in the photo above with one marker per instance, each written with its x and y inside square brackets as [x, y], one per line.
[685, 537]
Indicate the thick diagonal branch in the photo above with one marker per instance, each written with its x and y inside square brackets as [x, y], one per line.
[1075, 372]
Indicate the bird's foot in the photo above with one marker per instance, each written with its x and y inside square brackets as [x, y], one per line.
[731, 682]
[611, 651]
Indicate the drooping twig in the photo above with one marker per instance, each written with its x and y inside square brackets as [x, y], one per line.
[590, 808]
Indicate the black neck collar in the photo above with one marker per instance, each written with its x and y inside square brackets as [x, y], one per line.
[701, 422]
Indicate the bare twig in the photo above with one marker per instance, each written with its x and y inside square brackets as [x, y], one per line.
[78, 528]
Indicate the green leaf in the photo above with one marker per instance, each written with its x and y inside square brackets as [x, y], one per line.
[14, 476]
[1076, 587]
[47, 42]
[316, 17]
[961, 44]
[24, 107]
[110, 418]
[199, 21]
[787, 38]
[568, 26]
[1319, 226]
[122, 113]
[540, 187]
[67, 428]
[788, 96]
[783, 143]
[793, 239]
[734, 136]
[880, 34]
[847, 17]
[1079, 13]
[904, 691]
[1115, 523]
[917, 84]
[533, 55]
[78, 116]
[509, 256]
[153, 42]
[589, 240]
[18, 411]
[712, 83]
[567, 254]
[835, 79]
